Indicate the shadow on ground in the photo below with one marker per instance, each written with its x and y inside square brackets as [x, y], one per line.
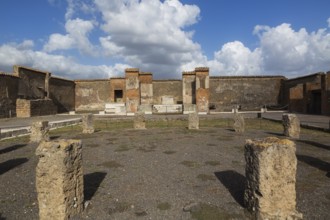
[235, 183]
[315, 162]
[92, 181]
[12, 148]
[10, 164]
[315, 144]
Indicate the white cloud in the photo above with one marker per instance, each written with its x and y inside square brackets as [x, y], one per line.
[287, 51]
[12, 54]
[149, 34]
[77, 37]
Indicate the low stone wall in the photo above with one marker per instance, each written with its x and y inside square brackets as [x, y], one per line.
[28, 108]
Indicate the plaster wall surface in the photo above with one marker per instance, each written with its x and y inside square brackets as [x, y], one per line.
[91, 95]
[118, 84]
[32, 84]
[62, 92]
[251, 93]
[8, 95]
[169, 88]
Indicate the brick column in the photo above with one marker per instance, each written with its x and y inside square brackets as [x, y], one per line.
[146, 92]
[202, 89]
[132, 90]
[59, 179]
[189, 92]
[271, 166]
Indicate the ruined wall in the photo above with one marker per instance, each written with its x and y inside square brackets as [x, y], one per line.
[117, 84]
[146, 88]
[62, 92]
[189, 87]
[251, 93]
[8, 95]
[171, 88]
[132, 90]
[28, 108]
[91, 95]
[202, 89]
[33, 84]
[304, 94]
[326, 94]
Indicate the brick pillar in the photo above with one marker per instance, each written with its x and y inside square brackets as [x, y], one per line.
[271, 166]
[88, 124]
[202, 89]
[189, 92]
[193, 121]
[146, 93]
[59, 179]
[39, 131]
[132, 90]
[291, 125]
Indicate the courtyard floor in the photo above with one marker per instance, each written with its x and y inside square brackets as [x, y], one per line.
[165, 171]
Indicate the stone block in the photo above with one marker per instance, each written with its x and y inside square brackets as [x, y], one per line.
[59, 179]
[239, 123]
[193, 120]
[271, 166]
[139, 121]
[291, 125]
[39, 132]
[88, 123]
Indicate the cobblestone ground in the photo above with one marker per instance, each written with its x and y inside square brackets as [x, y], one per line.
[165, 171]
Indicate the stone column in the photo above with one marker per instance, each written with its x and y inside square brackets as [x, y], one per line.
[39, 132]
[239, 123]
[139, 121]
[193, 120]
[59, 179]
[189, 92]
[88, 123]
[202, 89]
[132, 90]
[271, 166]
[291, 125]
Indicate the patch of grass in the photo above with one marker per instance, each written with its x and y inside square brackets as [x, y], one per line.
[92, 145]
[212, 163]
[206, 212]
[169, 152]
[211, 145]
[191, 164]
[164, 206]
[141, 213]
[123, 148]
[205, 177]
[111, 164]
[225, 138]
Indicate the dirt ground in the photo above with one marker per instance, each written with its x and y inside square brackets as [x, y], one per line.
[165, 171]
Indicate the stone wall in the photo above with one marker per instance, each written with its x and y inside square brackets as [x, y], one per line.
[132, 90]
[250, 93]
[146, 88]
[168, 88]
[326, 94]
[28, 108]
[62, 92]
[32, 84]
[8, 95]
[91, 95]
[117, 84]
[304, 94]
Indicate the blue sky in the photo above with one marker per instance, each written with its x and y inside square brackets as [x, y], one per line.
[100, 38]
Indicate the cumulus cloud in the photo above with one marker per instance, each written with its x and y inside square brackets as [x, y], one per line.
[11, 54]
[149, 34]
[77, 37]
[152, 35]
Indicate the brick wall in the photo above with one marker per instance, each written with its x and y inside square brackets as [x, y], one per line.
[8, 95]
[62, 92]
[251, 93]
[171, 88]
[28, 108]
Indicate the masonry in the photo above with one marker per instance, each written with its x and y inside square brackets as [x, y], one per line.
[138, 91]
